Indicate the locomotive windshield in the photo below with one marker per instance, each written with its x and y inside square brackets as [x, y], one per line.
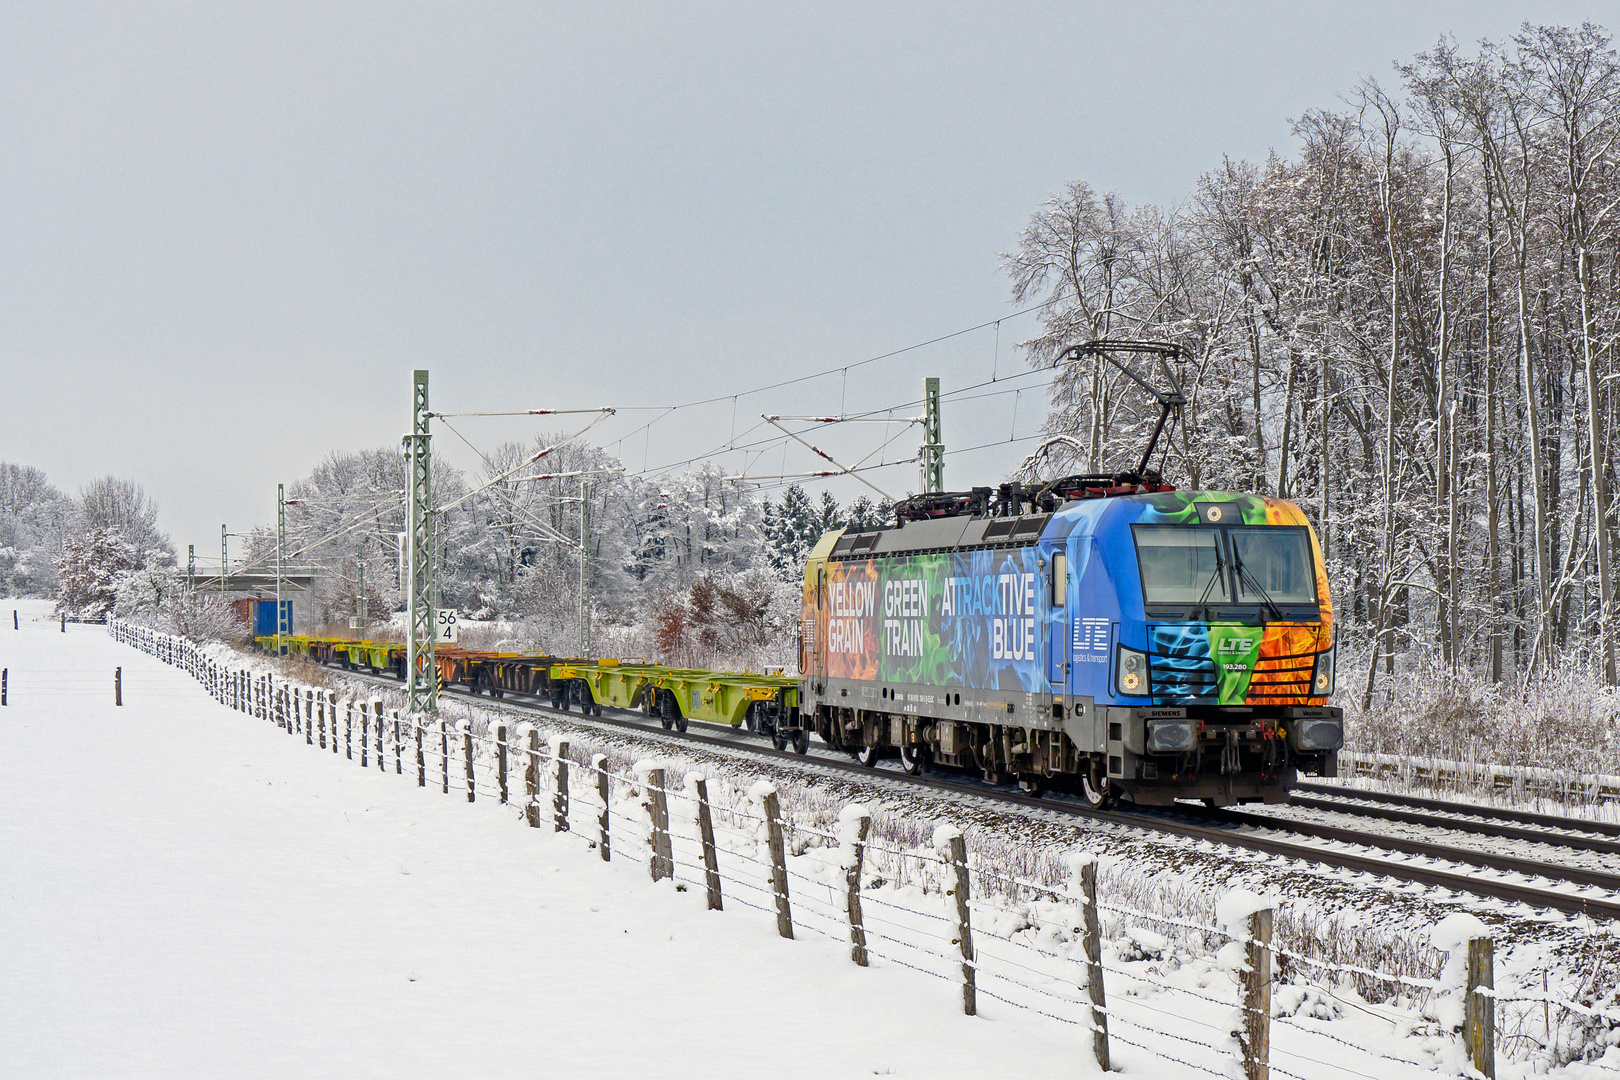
[1182, 565]
[1226, 572]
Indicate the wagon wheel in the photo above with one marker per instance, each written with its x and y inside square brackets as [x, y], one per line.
[914, 759]
[868, 754]
[801, 741]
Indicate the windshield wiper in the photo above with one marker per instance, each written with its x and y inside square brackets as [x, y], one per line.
[1245, 576]
[1218, 575]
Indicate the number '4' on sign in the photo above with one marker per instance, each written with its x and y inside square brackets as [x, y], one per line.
[445, 627]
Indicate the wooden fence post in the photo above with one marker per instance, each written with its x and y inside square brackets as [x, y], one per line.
[949, 843]
[661, 864]
[365, 736]
[421, 760]
[779, 882]
[711, 860]
[320, 715]
[853, 822]
[1479, 1018]
[5, 675]
[376, 709]
[118, 686]
[1257, 998]
[467, 755]
[604, 792]
[309, 717]
[348, 728]
[500, 761]
[559, 786]
[1083, 886]
[531, 781]
[399, 749]
[444, 752]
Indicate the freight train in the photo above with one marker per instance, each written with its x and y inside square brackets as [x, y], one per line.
[1101, 634]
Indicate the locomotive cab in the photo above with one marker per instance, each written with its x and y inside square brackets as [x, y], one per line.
[1221, 659]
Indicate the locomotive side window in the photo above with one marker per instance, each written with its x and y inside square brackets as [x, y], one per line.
[1060, 578]
[1182, 565]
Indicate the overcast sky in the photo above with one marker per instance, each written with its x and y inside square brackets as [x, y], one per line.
[227, 235]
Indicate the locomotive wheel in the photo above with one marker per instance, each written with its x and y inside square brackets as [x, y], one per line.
[801, 741]
[667, 722]
[778, 741]
[868, 755]
[914, 759]
[680, 723]
[1096, 790]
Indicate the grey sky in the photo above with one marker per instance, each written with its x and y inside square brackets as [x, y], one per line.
[227, 234]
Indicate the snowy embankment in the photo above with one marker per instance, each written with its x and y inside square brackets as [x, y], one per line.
[328, 907]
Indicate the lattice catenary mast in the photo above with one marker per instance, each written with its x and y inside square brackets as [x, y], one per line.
[421, 672]
[283, 631]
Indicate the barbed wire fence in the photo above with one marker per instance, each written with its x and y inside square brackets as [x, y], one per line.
[926, 906]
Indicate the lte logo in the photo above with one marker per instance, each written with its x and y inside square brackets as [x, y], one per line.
[1235, 646]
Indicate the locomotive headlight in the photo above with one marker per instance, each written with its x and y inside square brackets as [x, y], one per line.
[1171, 736]
[1322, 680]
[1311, 733]
[1132, 677]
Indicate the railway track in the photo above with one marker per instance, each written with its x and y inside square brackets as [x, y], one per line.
[1543, 884]
[1599, 836]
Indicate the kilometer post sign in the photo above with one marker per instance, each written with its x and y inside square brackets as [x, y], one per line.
[969, 619]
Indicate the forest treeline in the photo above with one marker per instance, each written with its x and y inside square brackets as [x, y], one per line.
[1409, 328]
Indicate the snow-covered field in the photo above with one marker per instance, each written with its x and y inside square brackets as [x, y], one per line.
[190, 891]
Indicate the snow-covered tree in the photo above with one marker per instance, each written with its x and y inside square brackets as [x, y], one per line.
[792, 526]
[89, 572]
[124, 507]
[145, 593]
[35, 518]
[1408, 328]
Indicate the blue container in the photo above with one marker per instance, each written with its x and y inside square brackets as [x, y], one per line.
[264, 617]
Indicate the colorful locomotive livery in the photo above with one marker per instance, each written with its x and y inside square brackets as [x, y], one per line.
[1151, 643]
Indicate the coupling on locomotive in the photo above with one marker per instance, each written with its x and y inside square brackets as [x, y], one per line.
[1105, 635]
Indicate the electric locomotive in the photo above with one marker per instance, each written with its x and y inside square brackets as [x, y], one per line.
[1104, 633]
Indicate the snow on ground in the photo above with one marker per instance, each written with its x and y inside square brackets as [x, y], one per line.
[190, 892]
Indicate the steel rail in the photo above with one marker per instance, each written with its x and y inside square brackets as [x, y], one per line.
[1512, 864]
[1225, 835]
[1523, 817]
[1437, 821]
